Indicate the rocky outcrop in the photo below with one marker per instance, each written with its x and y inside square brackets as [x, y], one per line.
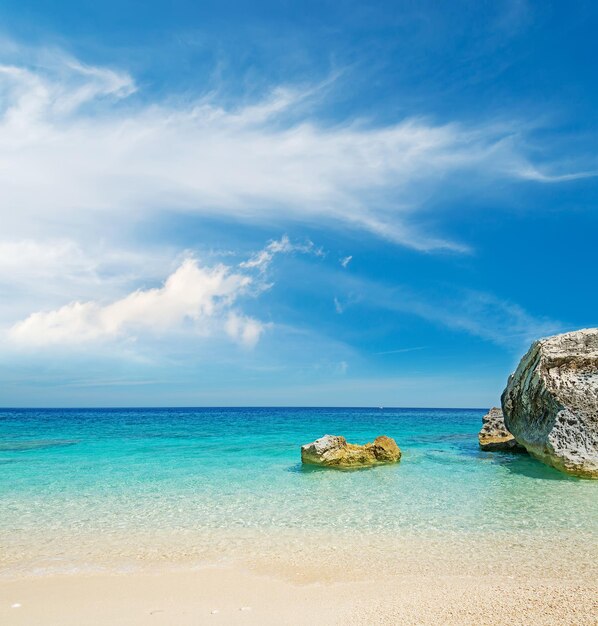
[494, 436]
[551, 402]
[334, 451]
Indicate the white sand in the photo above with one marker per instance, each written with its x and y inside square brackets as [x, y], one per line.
[231, 595]
[305, 578]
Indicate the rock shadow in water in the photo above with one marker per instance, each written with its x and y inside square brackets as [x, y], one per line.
[526, 465]
[306, 468]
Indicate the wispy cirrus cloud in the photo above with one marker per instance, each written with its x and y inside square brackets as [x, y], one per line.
[476, 313]
[36, 263]
[487, 316]
[262, 259]
[75, 151]
[532, 173]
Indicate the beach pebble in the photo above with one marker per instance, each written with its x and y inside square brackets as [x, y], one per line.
[214, 611]
[16, 605]
[245, 608]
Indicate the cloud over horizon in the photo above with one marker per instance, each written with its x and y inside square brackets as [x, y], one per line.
[192, 294]
[199, 299]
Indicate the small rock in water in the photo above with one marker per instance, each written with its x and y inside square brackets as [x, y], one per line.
[334, 451]
[494, 436]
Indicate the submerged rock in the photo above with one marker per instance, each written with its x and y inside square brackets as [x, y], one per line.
[494, 436]
[334, 451]
[551, 402]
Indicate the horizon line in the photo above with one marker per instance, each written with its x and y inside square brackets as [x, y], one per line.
[234, 406]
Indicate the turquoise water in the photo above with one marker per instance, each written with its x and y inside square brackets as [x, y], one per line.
[193, 472]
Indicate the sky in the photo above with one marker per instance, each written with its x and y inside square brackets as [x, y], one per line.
[291, 203]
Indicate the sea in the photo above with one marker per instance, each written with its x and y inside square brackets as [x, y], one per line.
[85, 488]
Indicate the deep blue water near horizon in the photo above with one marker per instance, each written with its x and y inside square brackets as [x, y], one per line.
[65, 472]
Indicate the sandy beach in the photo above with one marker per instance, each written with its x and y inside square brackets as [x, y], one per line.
[324, 579]
[225, 595]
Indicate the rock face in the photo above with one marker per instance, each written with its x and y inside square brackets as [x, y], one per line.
[494, 436]
[334, 451]
[551, 402]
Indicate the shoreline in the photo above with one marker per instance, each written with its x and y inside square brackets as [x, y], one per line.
[318, 556]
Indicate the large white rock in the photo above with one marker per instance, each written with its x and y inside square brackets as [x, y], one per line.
[550, 404]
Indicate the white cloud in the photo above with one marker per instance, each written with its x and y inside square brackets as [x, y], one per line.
[26, 259]
[530, 172]
[346, 260]
[192, 294]
[486, 316]
[400, 350]
[245, 330]
[476, 313]
[262, 259]
[45, 273]
[34, 262]
[193, 298]
[73, 154]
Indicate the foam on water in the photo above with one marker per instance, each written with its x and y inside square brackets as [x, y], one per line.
[91, 481]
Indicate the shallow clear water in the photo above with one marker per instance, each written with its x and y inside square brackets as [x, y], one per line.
[106, 473]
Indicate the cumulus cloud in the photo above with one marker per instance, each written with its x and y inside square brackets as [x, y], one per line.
[191, 294]
[245, 330]
[45, 273]
[73, 151]
[199, 299]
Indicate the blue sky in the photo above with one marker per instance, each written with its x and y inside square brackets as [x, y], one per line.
[275, 203]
